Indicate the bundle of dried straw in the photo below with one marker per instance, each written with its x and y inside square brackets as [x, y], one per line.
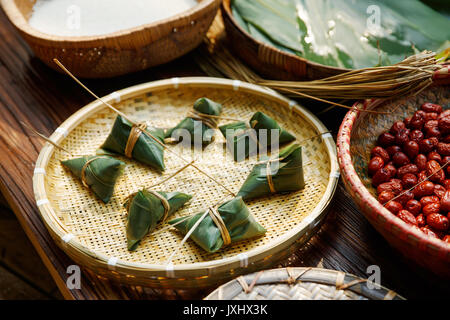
[411, 76]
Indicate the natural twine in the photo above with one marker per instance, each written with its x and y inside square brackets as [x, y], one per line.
[194, 227]
[209, 116]
[84, 168]
[350, 284]
[215, 216]
[135, 133]
[145, 131]
[411, 76]
[248, 288]
[292, 279]
[269, 178]
[269, 171]
[208, 121]
[164, 202]
[40, 135]
[418, 183]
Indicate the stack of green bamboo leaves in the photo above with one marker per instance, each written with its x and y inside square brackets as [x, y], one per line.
[262, 134]
[346, 33]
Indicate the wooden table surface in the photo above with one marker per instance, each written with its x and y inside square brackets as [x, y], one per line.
[33, 93]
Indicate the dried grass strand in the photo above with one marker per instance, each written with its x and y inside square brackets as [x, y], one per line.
[145, 130]
[40, 135]
[410, 76]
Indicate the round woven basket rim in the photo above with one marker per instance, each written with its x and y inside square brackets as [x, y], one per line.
[46, 210]
[349, 173]
[226, 9]
[17, 19]
[329, 273]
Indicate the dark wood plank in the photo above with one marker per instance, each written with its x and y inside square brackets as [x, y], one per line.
[3, 203]
[13, 287]
[18, 255]
[31, 92]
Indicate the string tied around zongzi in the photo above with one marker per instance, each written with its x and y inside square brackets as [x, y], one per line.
[135, 133]
[237, 224]
[84, 168]
[269, 178]
[164, 202]
[268, 162]
[218, 221]
[208, 120]
[269, 172]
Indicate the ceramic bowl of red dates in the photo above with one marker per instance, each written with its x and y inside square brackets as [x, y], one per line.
[395, 162]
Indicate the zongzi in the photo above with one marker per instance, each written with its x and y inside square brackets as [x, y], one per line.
[198, 126]
[263, 132]
[146, 208]
[99, 173]
[281, 174]
[229, 223]
[265, 125]
[242, 141]
[134, 142]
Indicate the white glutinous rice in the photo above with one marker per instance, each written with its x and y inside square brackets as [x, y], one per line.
[97, 17]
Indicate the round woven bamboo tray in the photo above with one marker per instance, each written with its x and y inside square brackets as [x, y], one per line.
[357, 137]
[120, 52]
[93, 234]
[268, 60]
[301, 284]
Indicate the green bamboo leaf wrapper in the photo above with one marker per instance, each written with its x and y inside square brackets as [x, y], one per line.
[239, 222]
[261, 121]
[287, 175]
[245, 145]
[239, 140]
[101, 174]
[145, 210]
[146, 149]
[197, 128]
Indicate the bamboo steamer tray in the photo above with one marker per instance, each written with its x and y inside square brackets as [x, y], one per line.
[268, 60]
[120, 52]
[301, 284]
[93, 234]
